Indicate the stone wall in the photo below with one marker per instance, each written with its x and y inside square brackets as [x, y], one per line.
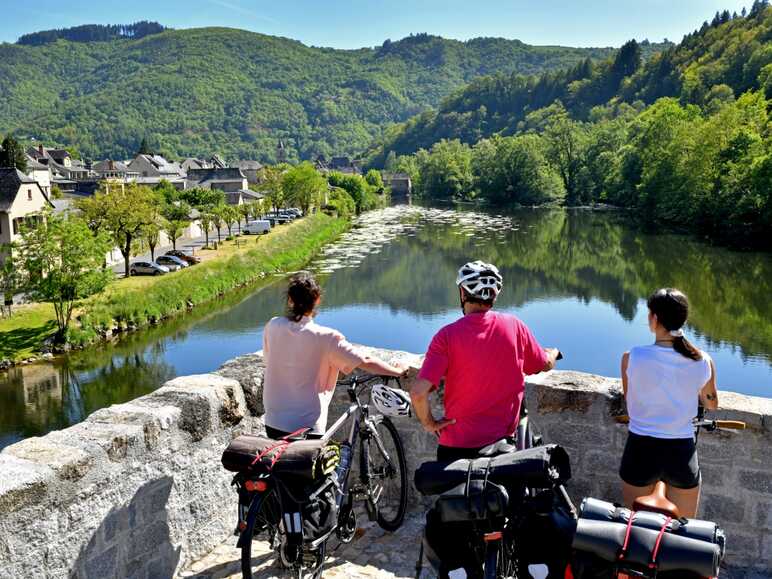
[137, 489]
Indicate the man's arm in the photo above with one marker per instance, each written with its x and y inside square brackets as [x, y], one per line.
[552, 358]
[625, 363]
[419, 395]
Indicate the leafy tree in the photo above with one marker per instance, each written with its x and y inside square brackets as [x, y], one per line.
[12, 154]
[176, 220]
[199, 197]
[63, 259]
[218, 213]
[374, 179]
[271, 186]
[566, 142]
[230, 214]
[446, 171]
[144, 148]
[123, 212]
[206, 217]
[245, 210]
[303, 186]
[11, 277]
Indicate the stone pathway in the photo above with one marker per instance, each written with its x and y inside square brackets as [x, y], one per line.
[374, 553]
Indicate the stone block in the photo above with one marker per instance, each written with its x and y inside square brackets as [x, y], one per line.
[22, 482]
[248, 371]
[117, 441]
[763, 514]
[722, 509]
[759, 481]
[68, 462]
[145, 539]
[103, 564]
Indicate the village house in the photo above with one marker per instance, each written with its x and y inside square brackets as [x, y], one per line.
[110, 169]
[400, 184]
[228, 180]
[66, 173]
[193, 163]
[152, 169]
[40, 173]
[253, 171]
[22, 200]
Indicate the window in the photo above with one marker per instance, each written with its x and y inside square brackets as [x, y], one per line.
[29, 194]
[16, 227]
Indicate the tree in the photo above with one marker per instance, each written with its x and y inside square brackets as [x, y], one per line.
[176, 220]
[144, 148]
[446, 171]
[374, 179]
[206, 218]
[11, 277]
[218, 217]
[230, 215]
[199, 197]
[245, 210]
[63, 259]
[123, 212]
[566, 142]
[272, 186]
[303, 186]
[12, 154]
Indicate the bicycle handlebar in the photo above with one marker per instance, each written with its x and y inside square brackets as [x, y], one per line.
[361, 379]
[707, 424]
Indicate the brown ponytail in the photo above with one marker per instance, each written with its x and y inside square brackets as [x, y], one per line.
[671, 307]
[302, 293]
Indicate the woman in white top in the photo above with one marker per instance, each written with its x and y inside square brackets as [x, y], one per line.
[302, 362]
[664, 383]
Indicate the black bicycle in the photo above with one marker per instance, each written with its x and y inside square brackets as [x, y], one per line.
[381, 485]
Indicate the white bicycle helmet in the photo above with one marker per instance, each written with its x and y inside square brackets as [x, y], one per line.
[480, 280]
[390, 401]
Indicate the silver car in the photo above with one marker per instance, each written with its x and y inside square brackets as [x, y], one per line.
[147, 268]
[172, 262]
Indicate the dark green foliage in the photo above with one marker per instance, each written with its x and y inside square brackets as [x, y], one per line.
[697, 158]
[93, 33]
[364, 195]
[12, 154]
[191, 92]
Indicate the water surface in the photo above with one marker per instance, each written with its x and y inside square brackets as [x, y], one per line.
[579, 279]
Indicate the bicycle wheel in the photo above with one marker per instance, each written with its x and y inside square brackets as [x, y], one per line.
[384, 472]
[506, 568]
[268, 515]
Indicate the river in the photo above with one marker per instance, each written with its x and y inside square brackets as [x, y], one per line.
[578, 278]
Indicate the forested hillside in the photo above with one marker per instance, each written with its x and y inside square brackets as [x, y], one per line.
[724, 58]
[683, 138]
[192, 92]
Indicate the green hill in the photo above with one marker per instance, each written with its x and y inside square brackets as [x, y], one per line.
[724, 58]
[192, 92]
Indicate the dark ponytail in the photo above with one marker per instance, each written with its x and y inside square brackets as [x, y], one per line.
[302, 293]
[671, 307]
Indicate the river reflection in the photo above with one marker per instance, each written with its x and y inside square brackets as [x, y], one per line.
[578, 278]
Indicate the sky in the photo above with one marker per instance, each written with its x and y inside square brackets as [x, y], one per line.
[359, 23]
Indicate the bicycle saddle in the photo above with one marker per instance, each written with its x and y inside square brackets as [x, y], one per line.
[657, 502]
[502, 446]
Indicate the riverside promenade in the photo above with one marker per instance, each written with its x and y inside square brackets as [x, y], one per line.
[137, 489]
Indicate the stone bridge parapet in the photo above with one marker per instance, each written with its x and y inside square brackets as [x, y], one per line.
[137, 490]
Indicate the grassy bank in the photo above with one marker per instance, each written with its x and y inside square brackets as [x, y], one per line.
[132, 303]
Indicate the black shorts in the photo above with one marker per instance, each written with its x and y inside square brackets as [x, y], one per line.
[647, 460]
[277, 434]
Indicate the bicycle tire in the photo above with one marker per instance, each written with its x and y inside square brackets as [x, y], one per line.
[260, 522]
[387, 523]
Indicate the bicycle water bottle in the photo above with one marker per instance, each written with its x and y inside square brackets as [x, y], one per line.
[341, 473]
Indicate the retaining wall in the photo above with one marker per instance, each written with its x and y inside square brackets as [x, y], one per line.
[137, 490]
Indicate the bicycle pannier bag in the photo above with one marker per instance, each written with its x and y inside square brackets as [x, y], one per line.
[537, 467]
[670, 552]
[303, 459]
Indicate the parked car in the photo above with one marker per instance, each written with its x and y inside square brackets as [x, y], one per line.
[294, 211]
[189, 259]
[147, 268]
[173, 263]
[257, 227]
[278, 218]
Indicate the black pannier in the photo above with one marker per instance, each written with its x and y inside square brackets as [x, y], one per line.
[542, 467]
[598, 510]
[655, 544]
[303, 459]
[310, 510]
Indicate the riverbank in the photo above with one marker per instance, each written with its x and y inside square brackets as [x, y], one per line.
[133, 303]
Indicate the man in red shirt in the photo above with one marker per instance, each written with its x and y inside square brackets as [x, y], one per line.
[484, 357]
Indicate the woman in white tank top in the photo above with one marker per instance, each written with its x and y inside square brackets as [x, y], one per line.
[664, 383]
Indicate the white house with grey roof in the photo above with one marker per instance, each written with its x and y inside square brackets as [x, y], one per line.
[22, 200]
